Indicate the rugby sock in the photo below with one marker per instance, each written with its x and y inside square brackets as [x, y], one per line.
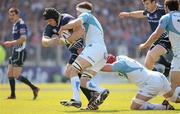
[26, 81]
[88, 93]
[149, 106]
[75, 82]
[12, 85]
[92, 86]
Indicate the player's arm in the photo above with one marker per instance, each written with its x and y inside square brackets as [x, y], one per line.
[107, 68]
[164, 21]
[154, 36]
[78, 32]
[72, 24]
[134, 14]
[15, 42]
[46, 41]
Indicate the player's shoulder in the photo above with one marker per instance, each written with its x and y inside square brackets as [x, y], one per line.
[65, 19]
[85, 14]
[20, 24]
[67, 16]
[166, 17]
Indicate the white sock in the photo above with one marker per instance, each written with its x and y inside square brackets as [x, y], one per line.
[176, 95]
[75, 82]
[92, 86]
[149, 106]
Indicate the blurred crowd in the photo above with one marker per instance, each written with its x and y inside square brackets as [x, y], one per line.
[122, 36]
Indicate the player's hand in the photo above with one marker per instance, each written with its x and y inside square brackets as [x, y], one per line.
[63, 41]
[143, 46]
[61, 30]
[1, 43]
[8, 44]
[123, 14]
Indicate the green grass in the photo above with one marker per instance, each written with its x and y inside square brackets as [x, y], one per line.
[118, 102]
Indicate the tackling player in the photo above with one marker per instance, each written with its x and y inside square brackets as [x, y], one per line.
[150, 83]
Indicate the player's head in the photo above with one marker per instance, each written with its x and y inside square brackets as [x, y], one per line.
[172, 5]
[13, 14]
[150, 5]
[52, 16]
[84, 7]
[111, 58]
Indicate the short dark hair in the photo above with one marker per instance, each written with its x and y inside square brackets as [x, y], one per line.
[149, 0]
[51, 13]
[85, 5]
[172, 5]
[15, 10]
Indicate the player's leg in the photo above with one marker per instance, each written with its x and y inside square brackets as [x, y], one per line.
[166, 64]
[17, 73]
[175, 73]
[101, 92]
[157, 84]
[88, 93]
[140, 102]
[17, 70]
[85, 60]
[11, 81]
[78, 66]
[86, 82]
[153, 55]
[166, 59]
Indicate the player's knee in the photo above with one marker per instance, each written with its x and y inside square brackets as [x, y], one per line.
[148, 62]
[68, 72]
[134, 107]
[77, 66]
[136, 104]
[74, 69]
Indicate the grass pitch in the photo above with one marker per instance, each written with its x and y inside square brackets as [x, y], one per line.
[118, 101]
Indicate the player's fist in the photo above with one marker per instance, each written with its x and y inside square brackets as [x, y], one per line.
[8, 44]
[63, 41]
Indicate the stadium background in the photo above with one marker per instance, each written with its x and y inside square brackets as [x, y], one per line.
[122, 36]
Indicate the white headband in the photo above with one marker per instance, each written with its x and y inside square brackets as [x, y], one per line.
[83, 10]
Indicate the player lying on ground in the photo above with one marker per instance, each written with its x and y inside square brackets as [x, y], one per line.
[150, 83]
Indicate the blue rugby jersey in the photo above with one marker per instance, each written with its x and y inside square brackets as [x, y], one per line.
[19, 30]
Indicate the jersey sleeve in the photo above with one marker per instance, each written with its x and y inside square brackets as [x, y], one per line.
[66, 18]
[164, 21]
[84, 17]
[48, 31]
[116, 66]
[22, 29]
